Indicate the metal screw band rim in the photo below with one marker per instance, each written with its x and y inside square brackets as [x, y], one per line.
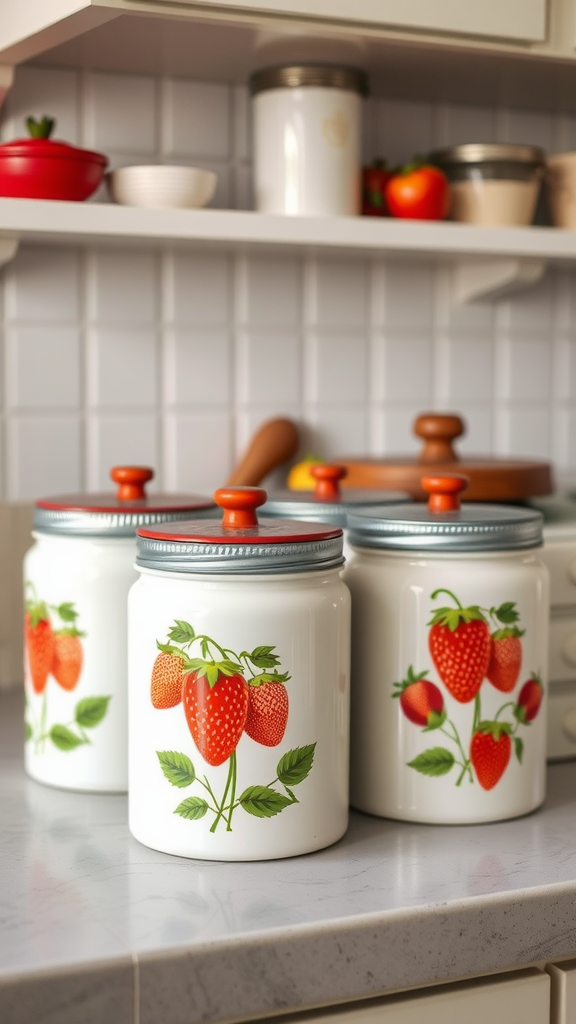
[298, 76]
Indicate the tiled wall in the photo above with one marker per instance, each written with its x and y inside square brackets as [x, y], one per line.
[173, 358]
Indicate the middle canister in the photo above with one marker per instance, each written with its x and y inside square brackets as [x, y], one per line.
[449, 652]
[328, 502]
[239, 636]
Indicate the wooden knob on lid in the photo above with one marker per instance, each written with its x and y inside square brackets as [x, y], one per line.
[131, 481]
[438, 431]
[327, 477]
[444, 491]
[239, 504]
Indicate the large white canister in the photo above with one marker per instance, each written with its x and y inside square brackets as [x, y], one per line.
[307, 139]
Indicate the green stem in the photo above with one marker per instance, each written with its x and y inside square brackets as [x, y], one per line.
[509, 704]
[442, 590]
[477, 714]
[455, 737]
[42, 736]
[233, 794]
[223, 804]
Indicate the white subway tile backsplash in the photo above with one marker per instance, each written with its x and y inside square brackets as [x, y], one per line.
[122, 440]
[175, 359]
[42, 368]
[123, 368]
[43, 289]
[122, 114]
[197, 367]
[44, 456]
[196, 120]
[123, 287]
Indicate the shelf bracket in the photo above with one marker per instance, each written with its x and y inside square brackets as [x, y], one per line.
[8, 249]
[494, 278]
[6, 81]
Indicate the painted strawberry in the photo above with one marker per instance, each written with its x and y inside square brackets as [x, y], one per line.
[490, 750]
[420, 700]
[529, 700]
[267, 709]
[167, 680]
[216, 705]
[506, 653]
[39, 641]
[460, 645]
[67, 659]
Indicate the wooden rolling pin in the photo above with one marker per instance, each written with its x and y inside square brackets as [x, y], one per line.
[274, 443]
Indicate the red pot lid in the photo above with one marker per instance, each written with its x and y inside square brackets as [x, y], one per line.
[118, 513]
[48, 148]
[239, 543]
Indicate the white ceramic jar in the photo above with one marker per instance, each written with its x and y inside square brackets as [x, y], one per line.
[492, 184]
[307, 139]
[328, 502]
[239, 639]
[449, 655]
[76, 578]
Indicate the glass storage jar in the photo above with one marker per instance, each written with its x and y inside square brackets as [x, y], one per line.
[239, 638]
[76, 577]
[449, 654]
[491, 183]
[307, 139]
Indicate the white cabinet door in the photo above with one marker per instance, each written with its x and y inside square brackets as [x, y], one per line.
[563, 992]
[517, 997]
[504, 19]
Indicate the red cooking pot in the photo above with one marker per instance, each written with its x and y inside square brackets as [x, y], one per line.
[40, 168]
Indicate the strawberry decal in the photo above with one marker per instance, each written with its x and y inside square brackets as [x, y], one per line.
[490, 750]
[224, 697]
[54, 651]
[506, 653]
[460, 645]
[465, 655]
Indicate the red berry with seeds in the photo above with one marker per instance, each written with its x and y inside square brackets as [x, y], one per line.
[490, 751]
[39, 643]
[215, 713]
[267, 712]
[68, 658]
[420, 700]
[167, 681]
[529, 700]
[506, 652]
[460, 645]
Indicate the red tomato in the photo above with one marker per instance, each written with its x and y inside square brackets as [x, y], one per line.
[420, 193]
[374, 180]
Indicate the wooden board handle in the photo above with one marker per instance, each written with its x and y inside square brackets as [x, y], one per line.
[273, 444]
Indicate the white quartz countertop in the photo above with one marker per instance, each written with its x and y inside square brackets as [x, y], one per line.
[97, 929]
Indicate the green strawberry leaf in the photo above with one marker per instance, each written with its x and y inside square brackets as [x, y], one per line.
[263, 802]
[436, 761]
[269, 677]
[66, 611]
[193, 808]
[27, 731]
[296, 765]
[494, 729]
[64, 738]
[177, 768]
[262, 657]
[90, 711]
[519, 748]
[38, 612]
[436, 720]
[181, 633]
[169, 649]
[506, 613]
[452, 617]
[411, 677]
[212, 674]
[508, 631]
[228, 668]
[295, 799]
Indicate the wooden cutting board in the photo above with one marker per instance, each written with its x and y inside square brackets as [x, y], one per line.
[491, 478]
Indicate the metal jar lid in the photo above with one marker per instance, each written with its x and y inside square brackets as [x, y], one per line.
[238, 543]
[483, 152]
[299, 76]
[328, 503]
[444, 526]
[109, 515]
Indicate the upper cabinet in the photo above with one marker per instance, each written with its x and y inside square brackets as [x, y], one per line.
[518, 20]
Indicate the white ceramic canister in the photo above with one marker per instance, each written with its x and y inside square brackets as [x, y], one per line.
[307, 139]
[76, 577]
[328, 502]
[449, 654]
[239, 636]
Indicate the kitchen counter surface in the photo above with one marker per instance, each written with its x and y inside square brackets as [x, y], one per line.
[97, 928]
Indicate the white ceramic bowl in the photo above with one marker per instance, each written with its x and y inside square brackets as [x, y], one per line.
[561, 189]
[161, 185]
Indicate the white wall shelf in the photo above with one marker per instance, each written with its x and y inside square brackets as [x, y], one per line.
[486, 261]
